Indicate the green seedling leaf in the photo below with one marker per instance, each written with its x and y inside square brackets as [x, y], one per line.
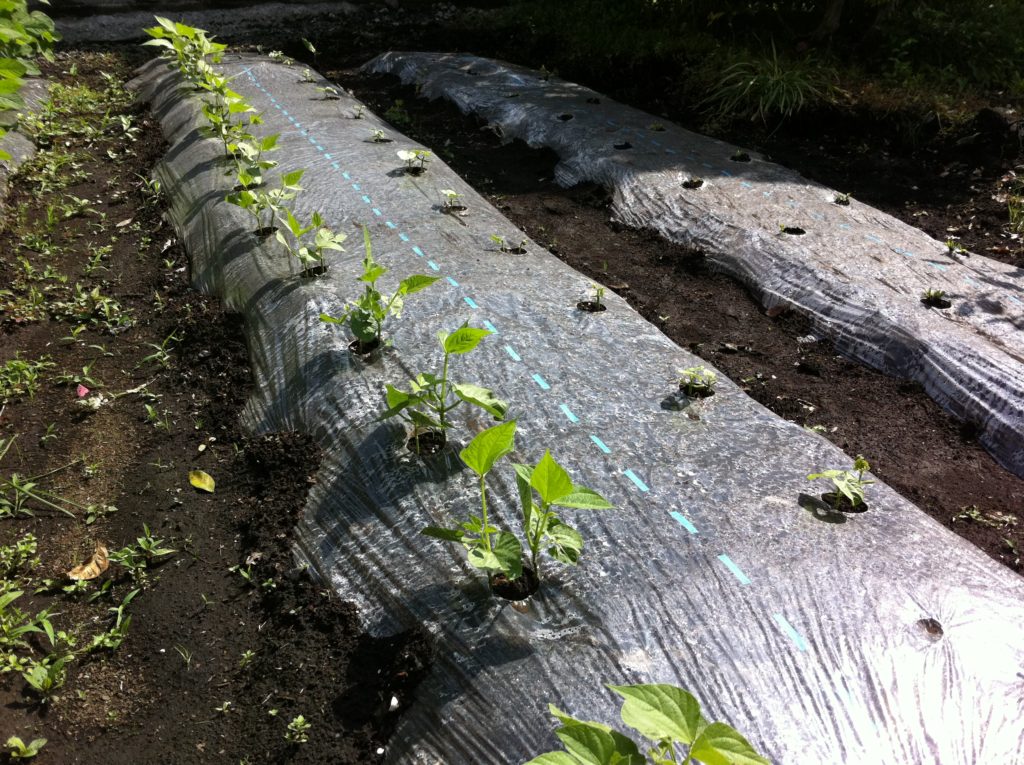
[720, 744]
[415, 283]
[464, 339]
[660, 711]
[488, 446]
[582, 498]
[550, 479]
[448, 535]
[554, 758]
[202, 481]
[483, 398]
[291, 180]
[588, 745]
[509, 554]
[566, 543]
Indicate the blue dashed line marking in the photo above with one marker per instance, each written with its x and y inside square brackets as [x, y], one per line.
[1012, 299]
[335, 166]
[600, 444]
[788, 628]
[299, 124]
[971, 281]
[541, 382]
[901, 251]
[746, 185]
[403, 237]
[452, 282]
[377, 212]
[671, 151]
[845, 225]
[706, 164]
[682, 521]
[366, 199]
[511, 352]
[491, 327]
[433, 265]
[418, 251]
[285, 113]
[320, 148]
[389, 224]
[470, 303]
[873, 238]
[736, 571]
[346, 176]
[327, 156]
[568, 413]
[636, 479]
[727, 173]
[817, 216]
[939, 266]
[356, 187]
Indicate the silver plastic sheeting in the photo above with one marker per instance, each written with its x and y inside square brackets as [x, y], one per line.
[857, 273]
[35, 91]
[808, 632]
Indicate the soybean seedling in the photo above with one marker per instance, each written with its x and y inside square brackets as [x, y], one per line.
[379, 136]
[310, 253]
[327, 93]
[935, 298]
[365, 316]
[415, 160]
[542, 527]
[664, 714]
[848, 484]
[451, 203]
[430, 399]
[842, 199]
[357, 112]
[954, 247]
[697, 382]
[593, 305]
[489, 548]
[504, 246]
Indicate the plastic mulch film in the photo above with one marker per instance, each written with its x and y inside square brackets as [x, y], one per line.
[856, 272]
[21, 148]
[825, 638]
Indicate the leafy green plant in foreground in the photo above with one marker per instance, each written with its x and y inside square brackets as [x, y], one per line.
[666, 716]
[430, 398]
[848, 484]
[19, 750]
[497, 551]
[310, 252]
[365, 316]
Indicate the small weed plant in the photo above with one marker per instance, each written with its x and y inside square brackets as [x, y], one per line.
[697, 382]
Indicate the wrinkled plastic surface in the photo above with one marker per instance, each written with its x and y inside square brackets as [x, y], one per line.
[804, 629]
[857, 273]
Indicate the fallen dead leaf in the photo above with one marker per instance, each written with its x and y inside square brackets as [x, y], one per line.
[202, 480]
[93, 567]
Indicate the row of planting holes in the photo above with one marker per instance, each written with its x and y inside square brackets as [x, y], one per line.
[783, 624]
[543, 384]
[643, 135]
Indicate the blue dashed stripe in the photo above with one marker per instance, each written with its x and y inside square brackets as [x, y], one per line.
[788, 628]
[366, 199]
[568, 413]
[600, 444]
[512, 352]
[452, 282]
[470, 303]
[433, 265]
[418, 251]
[377, 212]
[736, 571]
[682, 521]
[404, 237]
[491, 327]
[541, 382]
[636, 480]
[389, 224]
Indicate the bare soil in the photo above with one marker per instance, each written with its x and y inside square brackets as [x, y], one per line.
[181, 688]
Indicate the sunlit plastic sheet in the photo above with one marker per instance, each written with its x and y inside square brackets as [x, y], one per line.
[857, 273]
[14, 142]
[808, 631]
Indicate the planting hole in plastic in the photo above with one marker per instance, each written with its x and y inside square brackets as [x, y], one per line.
[931, 627]
[843, 504]
[520, 588]
[793, 230]
[360, 348]
[936, 302]
[427, 442]
[740, 156]
[623, 146]
[693, 183]
[565, 117]
[591, 306]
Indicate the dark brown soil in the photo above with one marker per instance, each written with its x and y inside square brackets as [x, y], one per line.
[228, 640]
[910, 442]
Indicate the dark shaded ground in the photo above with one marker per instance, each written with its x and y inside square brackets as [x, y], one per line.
[181, 688]
[911, 444]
